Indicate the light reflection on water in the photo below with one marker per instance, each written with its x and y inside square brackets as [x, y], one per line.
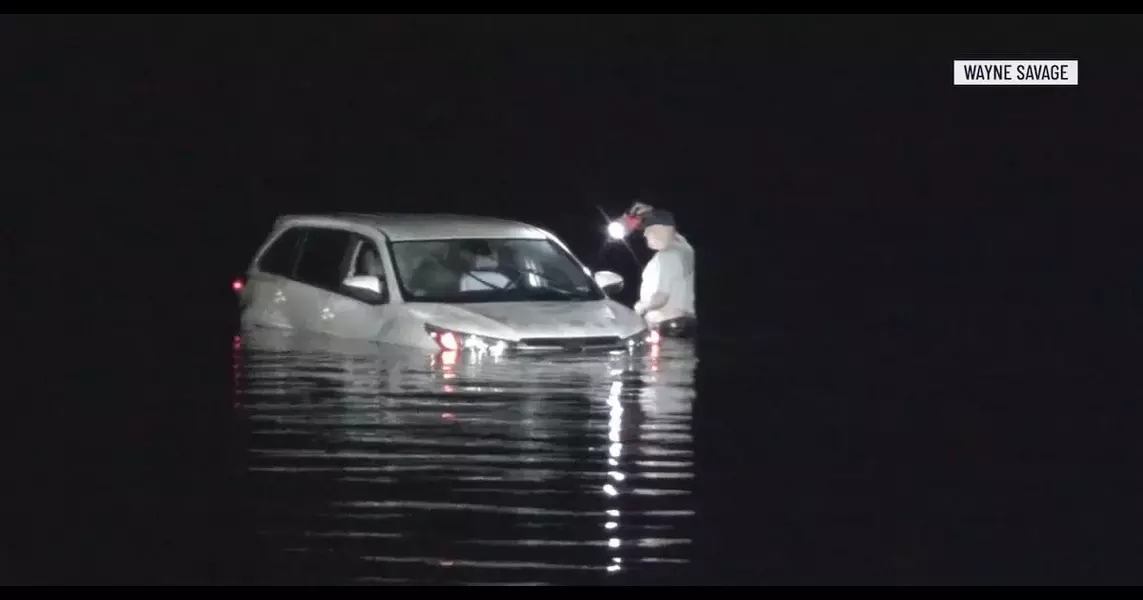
[371, 465]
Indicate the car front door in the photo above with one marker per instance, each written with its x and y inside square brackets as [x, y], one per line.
[352, 314]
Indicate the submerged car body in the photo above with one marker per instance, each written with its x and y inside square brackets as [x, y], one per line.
[434, 282]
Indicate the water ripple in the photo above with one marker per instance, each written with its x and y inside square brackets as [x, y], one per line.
[371, 466]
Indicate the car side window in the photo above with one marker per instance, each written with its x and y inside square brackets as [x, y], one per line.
[367, 260]
[282, 255]
[324, 253]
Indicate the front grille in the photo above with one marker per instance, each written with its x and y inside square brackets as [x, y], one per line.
[571, 344]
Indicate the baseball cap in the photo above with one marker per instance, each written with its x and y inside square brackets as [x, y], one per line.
[657, 216]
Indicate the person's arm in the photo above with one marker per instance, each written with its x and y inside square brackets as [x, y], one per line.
[669, 268]
[658, 300]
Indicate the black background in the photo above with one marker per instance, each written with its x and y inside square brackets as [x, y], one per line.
[918, 301]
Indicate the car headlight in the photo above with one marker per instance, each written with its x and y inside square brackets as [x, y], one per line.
[449, 339]
[645, 337]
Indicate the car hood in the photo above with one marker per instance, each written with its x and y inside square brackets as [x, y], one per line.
[517, 320]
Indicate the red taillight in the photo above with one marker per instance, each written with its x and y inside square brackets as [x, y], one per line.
[653, 337]
[237, 285]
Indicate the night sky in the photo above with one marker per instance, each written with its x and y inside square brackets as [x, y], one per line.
[931, 286]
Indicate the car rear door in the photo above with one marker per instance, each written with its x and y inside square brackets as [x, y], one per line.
[268, 297]
[320, 271]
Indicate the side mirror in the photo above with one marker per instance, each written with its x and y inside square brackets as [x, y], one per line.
[610, 281]
[367, 288]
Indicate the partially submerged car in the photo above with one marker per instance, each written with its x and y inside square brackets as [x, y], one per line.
[435, 282]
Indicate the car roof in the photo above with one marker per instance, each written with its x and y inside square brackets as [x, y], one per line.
[401, 227]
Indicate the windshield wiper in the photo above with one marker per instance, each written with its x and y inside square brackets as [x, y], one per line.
[555, 287]
[520, 273]
[465, 273]
[511, 285]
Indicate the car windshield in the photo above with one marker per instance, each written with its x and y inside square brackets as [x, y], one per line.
[490, 270]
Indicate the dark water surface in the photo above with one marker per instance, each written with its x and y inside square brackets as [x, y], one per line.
[828, 449]
[367, 468]
[329, 463]
[338, 463]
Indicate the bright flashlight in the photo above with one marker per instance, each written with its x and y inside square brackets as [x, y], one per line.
[616, 230]
[621, 227]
